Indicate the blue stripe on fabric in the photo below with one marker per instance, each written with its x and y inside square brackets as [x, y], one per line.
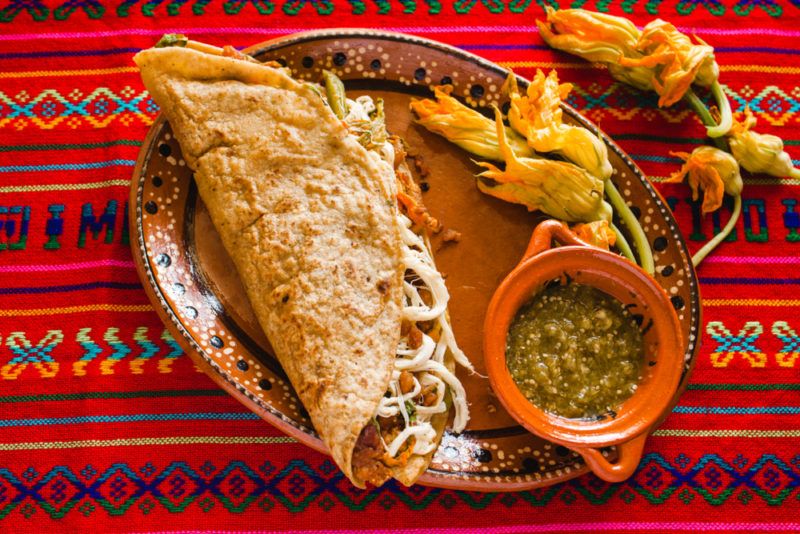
[69, 166]
[736, 410]
[750, 281]
[657, 159]
[247, 416]
[133, 418]
[69, 53]
[66, 289]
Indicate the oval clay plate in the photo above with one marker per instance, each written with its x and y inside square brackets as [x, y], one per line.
[194, 287]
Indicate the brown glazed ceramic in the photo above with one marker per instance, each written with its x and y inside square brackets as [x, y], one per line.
[579, 263]
[193, 285]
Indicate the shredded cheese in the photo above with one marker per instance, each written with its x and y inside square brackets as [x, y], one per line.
[426, 362]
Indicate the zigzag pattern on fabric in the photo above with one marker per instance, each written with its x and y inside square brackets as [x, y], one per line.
[25, 353]
[238, 486]
[101, 108]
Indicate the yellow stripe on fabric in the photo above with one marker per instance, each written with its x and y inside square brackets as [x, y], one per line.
[54, 73]
[142, 442]
[679, 433]
[759, 68]
[751, 302]
[38, 188]
[587, 65]
[77, 309]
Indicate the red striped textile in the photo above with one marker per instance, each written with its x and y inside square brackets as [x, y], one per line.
[106, 426]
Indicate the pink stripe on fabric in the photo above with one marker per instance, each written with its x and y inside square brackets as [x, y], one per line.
[402, 29]
[762, 260]
[65, 266]
[256, 31]
[741, 31]
[545, 527]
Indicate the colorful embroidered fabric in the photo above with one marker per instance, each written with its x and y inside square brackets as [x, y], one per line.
[105, 425]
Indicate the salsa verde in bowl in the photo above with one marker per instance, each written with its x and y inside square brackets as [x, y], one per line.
[619, 282]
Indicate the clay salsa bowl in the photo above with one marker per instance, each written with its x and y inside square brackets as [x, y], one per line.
[577, 262]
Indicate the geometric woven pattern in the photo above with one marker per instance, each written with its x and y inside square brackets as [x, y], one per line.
[50, 109]
[106, 426]
[102, 106]
[296, 486]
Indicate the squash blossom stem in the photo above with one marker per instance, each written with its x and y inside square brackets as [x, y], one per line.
[795, 173]
[705, 116]
[725, 115]
[629, 219]
[700, 255]
[709, 121]
[622, 243]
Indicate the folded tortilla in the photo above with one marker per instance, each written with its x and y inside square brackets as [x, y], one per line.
[309, 217]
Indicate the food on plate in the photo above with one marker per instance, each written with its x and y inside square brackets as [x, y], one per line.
[557, 188]
[598, 234]
[573, 190]
[537, 115]
[575, 351]
[465, 127]
[317, 208]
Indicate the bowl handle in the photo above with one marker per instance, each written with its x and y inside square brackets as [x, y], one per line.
[544, 234]
[628, 456]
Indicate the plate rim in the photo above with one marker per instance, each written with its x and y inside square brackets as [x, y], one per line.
[307, 436]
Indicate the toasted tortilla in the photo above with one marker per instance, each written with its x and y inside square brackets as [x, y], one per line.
[309, 218]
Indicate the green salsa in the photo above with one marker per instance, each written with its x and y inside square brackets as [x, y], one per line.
[575, 351]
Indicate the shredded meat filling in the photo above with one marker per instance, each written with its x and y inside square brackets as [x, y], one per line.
[367, 456]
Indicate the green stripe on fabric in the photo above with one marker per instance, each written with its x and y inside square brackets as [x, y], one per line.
[144, 442]
[69, 146]
[744, 387]
[744, 433]
[113, 395]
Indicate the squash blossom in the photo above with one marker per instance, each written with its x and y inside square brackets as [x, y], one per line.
[597, 233]
[593, 36]
[537, 115]
[675, 60]
[658, 58]
[759, 152]
[464, 126]
[557, 188]
[712, 170]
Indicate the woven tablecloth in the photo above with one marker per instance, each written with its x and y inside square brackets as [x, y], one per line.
[106, 425]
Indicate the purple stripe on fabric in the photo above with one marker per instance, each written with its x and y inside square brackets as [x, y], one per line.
[717, 49]
[68, 53]
[67, 288]
[65, 266]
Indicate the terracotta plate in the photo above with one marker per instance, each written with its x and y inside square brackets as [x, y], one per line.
[193, 285]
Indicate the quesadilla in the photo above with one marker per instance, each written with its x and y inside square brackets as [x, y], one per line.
[327, 230]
